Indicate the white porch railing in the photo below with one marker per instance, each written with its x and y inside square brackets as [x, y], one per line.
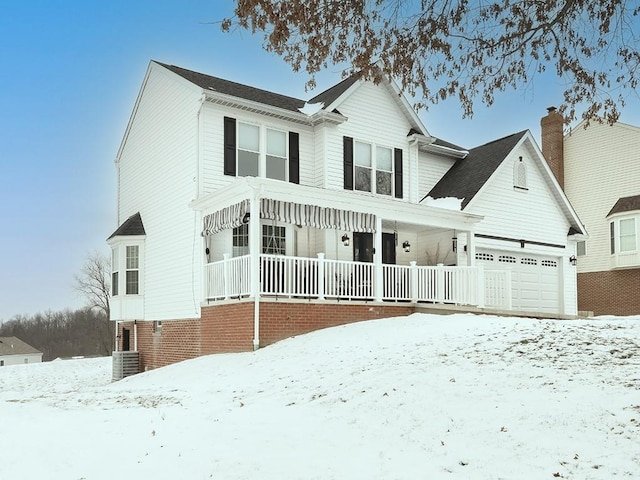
[337, 279]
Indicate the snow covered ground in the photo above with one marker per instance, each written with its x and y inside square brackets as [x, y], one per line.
[418, 397]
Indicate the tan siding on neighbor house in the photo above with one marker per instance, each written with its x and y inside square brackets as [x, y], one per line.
[602, 164]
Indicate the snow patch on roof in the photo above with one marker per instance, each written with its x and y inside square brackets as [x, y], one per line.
[448, 203]
[311, 108]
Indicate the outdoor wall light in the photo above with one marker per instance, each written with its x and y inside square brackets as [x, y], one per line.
[246, 218]
[573, 260]
[345, 240]
[407, 246]
[454, 243]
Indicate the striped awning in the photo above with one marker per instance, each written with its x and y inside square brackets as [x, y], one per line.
[316, 217]
[294, 213]
[229, 217]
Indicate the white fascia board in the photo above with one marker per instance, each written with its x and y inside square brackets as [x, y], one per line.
[118, 239]
[386, 208]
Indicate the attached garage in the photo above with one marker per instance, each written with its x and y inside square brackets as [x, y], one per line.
[536, 281]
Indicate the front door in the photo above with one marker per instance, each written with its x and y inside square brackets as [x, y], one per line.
[389, 248]
[363, 247]
[126, 342]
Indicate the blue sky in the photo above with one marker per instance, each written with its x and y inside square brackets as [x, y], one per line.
[71, 71]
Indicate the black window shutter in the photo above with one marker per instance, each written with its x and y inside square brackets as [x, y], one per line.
[347, 147]
[230, 146]
[294, 157]
[397, 171]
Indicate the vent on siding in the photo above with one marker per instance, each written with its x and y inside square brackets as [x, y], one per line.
[487, 257]
[528, 261]
[507, 259]
[549, 263]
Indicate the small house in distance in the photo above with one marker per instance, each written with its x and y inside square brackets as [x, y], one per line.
[14, 351]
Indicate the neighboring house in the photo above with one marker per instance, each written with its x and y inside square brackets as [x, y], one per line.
[246, 216]
[600, 169]
[14, 351]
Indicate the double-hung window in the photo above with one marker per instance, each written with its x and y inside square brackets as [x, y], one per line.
[133, 270]
[241, 241]
[628, 235]
[373, 168]
[252, 150]
[115, 266]
[248, 150]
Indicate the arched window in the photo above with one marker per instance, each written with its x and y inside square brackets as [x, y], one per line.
[520, 174]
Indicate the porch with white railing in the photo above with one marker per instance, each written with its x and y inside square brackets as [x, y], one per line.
[320, 278]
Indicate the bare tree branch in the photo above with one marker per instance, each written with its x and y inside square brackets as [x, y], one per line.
[469, 49]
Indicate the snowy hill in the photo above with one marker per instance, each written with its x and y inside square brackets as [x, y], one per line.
[418, 397]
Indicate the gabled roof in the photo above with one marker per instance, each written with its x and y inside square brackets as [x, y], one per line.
[15, 346]
[130, 227]
[626, 204]
[468, 175]
[234, 89]
[332, 94]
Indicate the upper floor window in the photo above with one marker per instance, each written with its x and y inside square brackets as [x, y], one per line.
[622, 235]
[126, 267]
[520, 174]
[133, 272]
[115, 266]
[258, 151]
[373, 168]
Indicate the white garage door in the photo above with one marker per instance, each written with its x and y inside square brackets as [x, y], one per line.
[535, 280]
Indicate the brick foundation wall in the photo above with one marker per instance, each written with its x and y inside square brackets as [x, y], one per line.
[229, 328]
[280, 320]
[615, 292]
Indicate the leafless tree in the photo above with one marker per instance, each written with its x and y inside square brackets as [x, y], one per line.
[469, 49]
[94, 284]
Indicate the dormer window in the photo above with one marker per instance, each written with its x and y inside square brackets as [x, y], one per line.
[520, 174]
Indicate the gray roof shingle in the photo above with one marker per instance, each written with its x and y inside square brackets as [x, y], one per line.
[131, 226]
[468, 175]
[626, 204]
[237, 89]
[15, 346]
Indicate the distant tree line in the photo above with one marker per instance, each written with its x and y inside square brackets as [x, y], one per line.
[83, 332]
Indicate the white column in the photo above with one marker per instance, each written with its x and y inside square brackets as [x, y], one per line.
[320, 279]
[471, 248]
[254, 246]
[377, 261]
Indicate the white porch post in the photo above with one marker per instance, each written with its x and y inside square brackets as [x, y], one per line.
[225, 274]
[254, 251]
[413, 278]
[377, 261]
[254, 246]
[471, 248]
[320, 279]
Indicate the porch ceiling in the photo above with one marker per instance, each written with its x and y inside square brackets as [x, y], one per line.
[408, 216]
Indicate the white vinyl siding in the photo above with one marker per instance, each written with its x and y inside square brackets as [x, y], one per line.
[156, 176]
[212, 137]
[374, 118]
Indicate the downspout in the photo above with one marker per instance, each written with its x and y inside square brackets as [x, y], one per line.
[135, 335]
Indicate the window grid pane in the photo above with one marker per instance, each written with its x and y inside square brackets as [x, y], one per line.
[363, 179]
[276, 143]
[132, 282]
[114, 284]
[273, 240]
[362, 154]
[240, 241]
[132, 256]
[249, 137]
[383, 159]
[627, 235]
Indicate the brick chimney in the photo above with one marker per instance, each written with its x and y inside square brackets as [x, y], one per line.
[552, 143]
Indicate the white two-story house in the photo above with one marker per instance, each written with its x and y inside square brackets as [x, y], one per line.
[246, 216]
